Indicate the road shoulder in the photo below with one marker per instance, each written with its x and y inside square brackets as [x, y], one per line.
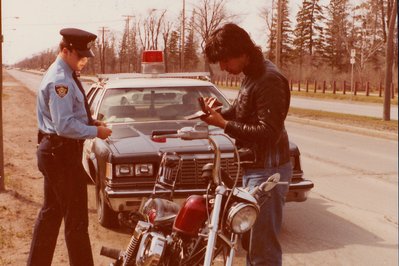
[345, 127]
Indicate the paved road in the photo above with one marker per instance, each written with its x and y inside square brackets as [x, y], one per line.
[351, 216]
[355, 108]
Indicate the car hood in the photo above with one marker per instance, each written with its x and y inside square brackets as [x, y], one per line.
[136, 138]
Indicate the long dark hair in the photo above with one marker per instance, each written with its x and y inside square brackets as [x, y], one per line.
[231, 41]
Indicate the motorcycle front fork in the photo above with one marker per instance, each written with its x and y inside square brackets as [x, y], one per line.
[213, 231]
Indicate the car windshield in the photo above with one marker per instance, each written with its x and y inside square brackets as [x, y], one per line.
[153, 104]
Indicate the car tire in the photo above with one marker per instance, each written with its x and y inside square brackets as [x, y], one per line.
[106, 216]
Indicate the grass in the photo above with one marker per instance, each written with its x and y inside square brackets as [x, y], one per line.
[343, 97]
[353, 120]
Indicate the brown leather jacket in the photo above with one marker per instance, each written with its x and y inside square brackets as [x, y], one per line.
[256, 118]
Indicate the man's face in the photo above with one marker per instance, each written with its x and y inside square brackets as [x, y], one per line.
[234, 65]
[74, 60]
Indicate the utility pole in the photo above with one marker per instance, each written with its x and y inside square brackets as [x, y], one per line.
[103, 30]
[128, 17]
[2, 187]
[182, 37]
[389, 62]
[279, 32]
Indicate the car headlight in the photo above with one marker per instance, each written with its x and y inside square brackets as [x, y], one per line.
[241, 217]
[143, 169]
[140, 169]
[124, 170]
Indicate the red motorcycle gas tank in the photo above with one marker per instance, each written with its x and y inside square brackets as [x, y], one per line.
[191, 216]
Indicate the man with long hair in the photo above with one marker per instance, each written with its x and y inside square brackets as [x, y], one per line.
[256, 122]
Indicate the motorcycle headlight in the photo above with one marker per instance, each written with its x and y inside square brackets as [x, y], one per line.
[241, 217]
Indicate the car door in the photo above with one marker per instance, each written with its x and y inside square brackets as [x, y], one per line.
[88, 159]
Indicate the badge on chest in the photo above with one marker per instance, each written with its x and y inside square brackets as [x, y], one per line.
[61, 90]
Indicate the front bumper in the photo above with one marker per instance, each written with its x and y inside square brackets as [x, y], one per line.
[132, 200]
[299, 190]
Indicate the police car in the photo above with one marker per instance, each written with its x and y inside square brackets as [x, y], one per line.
[123, 167]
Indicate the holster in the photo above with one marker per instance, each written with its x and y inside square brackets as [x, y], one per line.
[40, 136]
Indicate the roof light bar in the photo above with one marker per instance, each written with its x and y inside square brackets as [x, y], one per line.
[194, 75]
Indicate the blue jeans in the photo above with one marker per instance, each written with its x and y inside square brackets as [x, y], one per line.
[264, 246]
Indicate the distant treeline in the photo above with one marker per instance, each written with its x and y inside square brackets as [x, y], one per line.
[317, 45]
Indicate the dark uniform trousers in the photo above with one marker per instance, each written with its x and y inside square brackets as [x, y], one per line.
[65, 197]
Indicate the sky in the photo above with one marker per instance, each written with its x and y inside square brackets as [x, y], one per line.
[30, 27]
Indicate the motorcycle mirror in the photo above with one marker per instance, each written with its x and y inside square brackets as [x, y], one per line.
[271, 182]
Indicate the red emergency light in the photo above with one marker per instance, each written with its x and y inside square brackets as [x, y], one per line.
[152, 56]
[152, 62]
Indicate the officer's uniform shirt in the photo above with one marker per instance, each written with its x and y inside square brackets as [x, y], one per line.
[60, 104]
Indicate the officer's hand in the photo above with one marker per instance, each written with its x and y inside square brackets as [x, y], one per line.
[103, 132]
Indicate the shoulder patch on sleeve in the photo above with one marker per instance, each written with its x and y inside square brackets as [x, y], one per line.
[61, 90]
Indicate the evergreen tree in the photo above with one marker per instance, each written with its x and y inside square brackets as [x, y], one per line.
[190, 49]
[124, 50]
[133, 52]
[173, 52]
[335, 51]
[309, 38]
[286, 50]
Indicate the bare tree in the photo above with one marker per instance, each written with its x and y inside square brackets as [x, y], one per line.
[369, 33]
[267, 15]
[149, 29]
[166, 31]
[210, 14]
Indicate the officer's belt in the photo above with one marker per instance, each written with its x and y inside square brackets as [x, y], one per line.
[54, 137]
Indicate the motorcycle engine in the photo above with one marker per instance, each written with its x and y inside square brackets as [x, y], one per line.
[151, 249]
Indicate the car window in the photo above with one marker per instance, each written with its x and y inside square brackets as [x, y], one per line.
[91, 92]
[95, 99]
[154, 104]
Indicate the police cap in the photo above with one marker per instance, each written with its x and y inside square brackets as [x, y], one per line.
[79, 40]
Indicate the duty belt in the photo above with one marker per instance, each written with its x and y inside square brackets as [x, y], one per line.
[54, 137]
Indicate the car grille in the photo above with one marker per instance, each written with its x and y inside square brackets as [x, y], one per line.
[192, 169]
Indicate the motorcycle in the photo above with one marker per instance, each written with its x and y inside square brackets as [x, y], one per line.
[205, 226]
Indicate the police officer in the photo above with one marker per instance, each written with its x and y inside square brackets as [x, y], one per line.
[64, 123]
